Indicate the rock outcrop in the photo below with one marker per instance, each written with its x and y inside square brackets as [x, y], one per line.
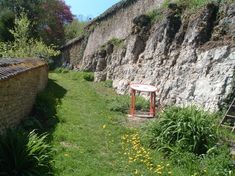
[190, 58]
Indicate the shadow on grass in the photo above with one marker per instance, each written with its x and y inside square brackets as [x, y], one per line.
[43, 117]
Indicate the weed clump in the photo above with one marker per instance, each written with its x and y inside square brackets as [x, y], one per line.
[116, 42]
[155, 15]
[88, 76]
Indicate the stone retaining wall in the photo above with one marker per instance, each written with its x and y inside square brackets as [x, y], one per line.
[20, 81]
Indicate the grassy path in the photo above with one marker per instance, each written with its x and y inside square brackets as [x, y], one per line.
[90, 140]
[87, 137]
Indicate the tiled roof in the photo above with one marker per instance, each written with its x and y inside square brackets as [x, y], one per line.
[10, 67]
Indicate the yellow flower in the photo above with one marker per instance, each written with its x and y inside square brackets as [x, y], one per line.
[158, 169]
[136, 171]
[159, 165]
[104, 126]
[66, 154]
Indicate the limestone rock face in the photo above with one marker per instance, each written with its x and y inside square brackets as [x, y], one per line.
[189, 58]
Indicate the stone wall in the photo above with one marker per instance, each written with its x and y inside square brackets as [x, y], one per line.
[72, 52]
[189, 57]
[20, 81]
[114, 23]
[118, 25]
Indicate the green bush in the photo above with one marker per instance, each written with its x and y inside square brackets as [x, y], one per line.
[74, 29]
[188, 129]
[24, 154]
[88, 76]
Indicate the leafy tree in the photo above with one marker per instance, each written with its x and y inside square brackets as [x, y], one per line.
[57, 13]
[7, 18]
[74, 29]
[23, 45]
[47, 17]
[31, 8]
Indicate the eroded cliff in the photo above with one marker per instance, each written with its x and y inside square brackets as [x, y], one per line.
[190, 57]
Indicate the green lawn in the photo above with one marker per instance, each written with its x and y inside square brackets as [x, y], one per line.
[87, 138]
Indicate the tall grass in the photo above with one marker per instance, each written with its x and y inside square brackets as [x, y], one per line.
[187, 128]
[24, 154]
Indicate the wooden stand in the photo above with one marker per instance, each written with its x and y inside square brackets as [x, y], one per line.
[143, 88]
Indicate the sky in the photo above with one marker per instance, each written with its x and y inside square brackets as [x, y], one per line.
[89, 8]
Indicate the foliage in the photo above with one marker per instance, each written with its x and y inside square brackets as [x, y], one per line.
[74, 29]
[116, 42]
[122, 104]
[23, 46]
[47, 17]
[6, 23]
[46, 105]
[193, 4]
[61, 70]
[56, 15]
[155, 15]
[216, 162]
[24, 154]
[187, 128]
[88, 76]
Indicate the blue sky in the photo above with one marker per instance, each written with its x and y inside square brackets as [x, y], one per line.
[91, 8]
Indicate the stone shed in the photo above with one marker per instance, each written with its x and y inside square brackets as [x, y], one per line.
[20, 81]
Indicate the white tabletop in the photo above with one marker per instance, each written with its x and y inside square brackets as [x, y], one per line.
[143, 87]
